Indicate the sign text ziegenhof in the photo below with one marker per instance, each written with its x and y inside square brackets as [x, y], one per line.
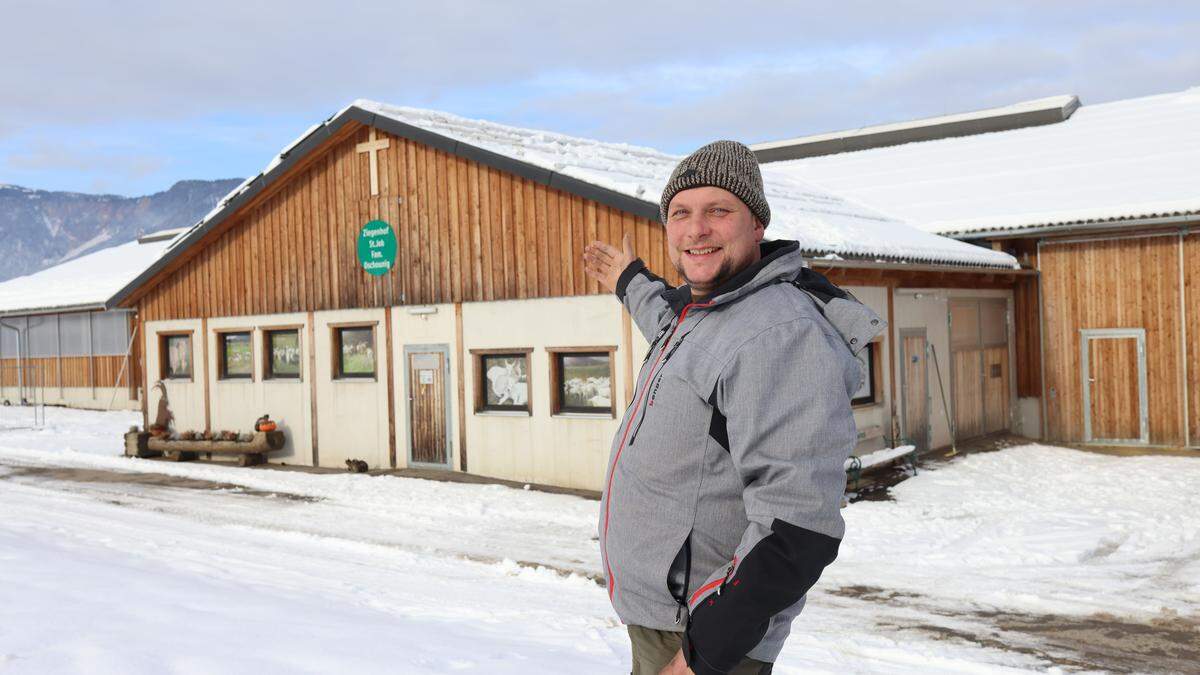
[377, 247]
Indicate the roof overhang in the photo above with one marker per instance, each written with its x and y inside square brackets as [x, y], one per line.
[907, 267]
[64, 309]
[1029, 114]
[1090, 226]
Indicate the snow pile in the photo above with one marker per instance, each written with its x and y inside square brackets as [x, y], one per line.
[1037, 529]
[1126, 159]
[882, 456]
[88, 281]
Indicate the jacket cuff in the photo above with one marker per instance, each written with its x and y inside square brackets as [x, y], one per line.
[693, 659]
[627, 276]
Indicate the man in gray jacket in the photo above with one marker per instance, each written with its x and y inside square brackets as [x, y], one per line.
[722, 497]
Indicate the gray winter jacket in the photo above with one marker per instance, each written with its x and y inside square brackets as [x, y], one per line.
[722, 497]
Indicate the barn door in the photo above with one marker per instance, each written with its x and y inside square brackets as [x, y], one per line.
[1114, 385]
[427, 370]
[915, 383]
[979, 366]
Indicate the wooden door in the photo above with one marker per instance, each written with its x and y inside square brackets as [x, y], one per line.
[995, 389]
[428, 416]
[980, 366]
[1114, 387]
[915, 401]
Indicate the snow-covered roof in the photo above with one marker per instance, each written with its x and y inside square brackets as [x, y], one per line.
[625, 176]
[821, 221]
[1123, 160]
[87, 282]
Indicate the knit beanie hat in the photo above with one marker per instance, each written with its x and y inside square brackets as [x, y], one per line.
[724, 164]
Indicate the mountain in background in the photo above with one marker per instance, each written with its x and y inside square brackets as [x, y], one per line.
[39, 228]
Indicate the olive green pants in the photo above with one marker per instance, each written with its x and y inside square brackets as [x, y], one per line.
[654, 649]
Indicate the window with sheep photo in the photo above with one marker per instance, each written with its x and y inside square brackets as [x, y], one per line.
[584, 382]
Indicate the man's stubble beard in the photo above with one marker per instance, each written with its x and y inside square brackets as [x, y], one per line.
[724, 273]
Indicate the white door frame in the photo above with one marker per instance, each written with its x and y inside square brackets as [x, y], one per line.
[1085, 336]
[444, 350]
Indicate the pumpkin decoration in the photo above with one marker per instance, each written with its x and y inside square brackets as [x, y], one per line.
[265, 423]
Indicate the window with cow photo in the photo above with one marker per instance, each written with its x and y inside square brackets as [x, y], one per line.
[354, 351]
[282, 354]
[582, 380]
[502, 380]
[236, 355]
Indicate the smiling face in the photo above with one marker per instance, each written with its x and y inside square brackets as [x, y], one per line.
[711, 236]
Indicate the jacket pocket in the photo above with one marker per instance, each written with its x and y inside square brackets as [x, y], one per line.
[712, 586]
[679, 576]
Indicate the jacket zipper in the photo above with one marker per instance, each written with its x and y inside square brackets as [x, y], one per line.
[687, 577]
[612, 470]
[662, 368]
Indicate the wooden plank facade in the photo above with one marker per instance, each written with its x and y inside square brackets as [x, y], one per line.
[76, 371]
[1105, 297]
[465, 232]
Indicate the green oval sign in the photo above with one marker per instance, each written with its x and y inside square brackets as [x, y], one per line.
[377, 247]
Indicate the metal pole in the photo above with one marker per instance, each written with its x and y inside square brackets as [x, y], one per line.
[124, 363]
[945, 408]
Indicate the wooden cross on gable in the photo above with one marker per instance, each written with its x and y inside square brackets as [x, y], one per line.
[371, 146]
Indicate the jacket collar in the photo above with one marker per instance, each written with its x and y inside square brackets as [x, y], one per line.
[776, 258]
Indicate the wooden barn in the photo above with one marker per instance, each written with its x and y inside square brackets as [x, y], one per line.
[1103, 202]
[59, 345]
[405, 287]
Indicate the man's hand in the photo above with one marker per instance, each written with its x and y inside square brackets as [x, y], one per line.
[677, 666]
[605, 263]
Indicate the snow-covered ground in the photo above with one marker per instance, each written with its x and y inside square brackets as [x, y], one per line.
[109, 564]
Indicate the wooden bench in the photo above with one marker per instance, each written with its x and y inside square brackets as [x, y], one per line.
[253, 451]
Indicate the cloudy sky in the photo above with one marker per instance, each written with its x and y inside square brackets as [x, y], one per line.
[129, 97]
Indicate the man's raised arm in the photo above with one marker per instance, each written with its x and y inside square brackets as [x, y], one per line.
[623, 273]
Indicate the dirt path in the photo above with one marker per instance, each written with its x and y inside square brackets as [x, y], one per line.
[1166, 644]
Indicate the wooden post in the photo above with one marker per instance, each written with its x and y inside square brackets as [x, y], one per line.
[462, 391]
[391, 386]
[1183, 351]
[312, 387]
[58, 353]
[145, 378]
[204, 373]
[91, 357]
[891, 319]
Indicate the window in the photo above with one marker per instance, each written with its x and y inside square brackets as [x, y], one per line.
[175, 356]
[502, 380]
[581, 380]
[42, 336]
[109, 333]
[282, 354]
[74, 334]
[236, 356]
[868, 393]
[354, 351]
